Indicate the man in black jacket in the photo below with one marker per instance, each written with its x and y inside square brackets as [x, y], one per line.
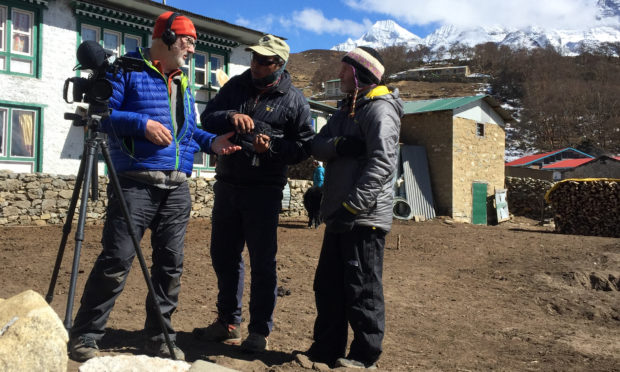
[273, 124]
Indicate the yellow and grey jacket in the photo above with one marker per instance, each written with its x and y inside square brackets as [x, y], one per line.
[363, 183]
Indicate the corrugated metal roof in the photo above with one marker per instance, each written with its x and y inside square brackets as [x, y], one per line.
[568, 163]
[442, 104]
[416, 107]
[531, 159]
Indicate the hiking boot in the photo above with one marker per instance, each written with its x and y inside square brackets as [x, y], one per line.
[350, 363]
[218, 331]
[160, 349]
[82, 348]
[255, 343]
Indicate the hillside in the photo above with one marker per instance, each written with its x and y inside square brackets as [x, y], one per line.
[305, 67]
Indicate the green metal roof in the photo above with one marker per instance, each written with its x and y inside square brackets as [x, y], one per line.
[444, 104]
[416, 107]
[322, 106]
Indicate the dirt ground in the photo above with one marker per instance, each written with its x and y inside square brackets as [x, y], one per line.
[513, 297]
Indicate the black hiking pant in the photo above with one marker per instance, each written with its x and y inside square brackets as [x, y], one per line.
[246, 215]
[164, 211]
[348, 290]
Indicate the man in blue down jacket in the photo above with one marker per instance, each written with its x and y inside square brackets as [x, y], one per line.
[359, 145]
[153, 137]
[273, 122]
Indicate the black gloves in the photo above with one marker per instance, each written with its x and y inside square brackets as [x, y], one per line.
[340, 221]
[349, 146]
[246, 140]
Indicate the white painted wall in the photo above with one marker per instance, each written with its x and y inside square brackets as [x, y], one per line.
[479, 111]
[239, 61]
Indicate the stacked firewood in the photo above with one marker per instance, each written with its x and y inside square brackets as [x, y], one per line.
[586, 206]
[526, 197]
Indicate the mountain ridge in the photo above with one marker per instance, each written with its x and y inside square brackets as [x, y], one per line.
[386, 33]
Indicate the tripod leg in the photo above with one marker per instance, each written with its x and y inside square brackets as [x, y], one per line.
[130, 227]
[67, 227]
[91, 151]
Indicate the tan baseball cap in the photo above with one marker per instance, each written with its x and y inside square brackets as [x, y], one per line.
[270, 45]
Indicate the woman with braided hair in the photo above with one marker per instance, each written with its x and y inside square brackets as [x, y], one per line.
[359, 145]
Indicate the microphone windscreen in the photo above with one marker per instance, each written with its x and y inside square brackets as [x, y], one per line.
[91, 55]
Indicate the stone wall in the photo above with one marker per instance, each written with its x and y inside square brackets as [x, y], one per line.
[43, 199]
[434, 131]
[477, 159]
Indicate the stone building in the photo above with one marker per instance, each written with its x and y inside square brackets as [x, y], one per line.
[465, 141]
[433, 73]
[332, 89]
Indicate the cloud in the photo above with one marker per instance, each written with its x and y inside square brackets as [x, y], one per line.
[512, 13]
[264, 23]
[314, 21]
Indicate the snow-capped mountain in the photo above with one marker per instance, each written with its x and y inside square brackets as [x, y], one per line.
[568, 42]
[380, 35]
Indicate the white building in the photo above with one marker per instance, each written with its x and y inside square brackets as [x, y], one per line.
[38, 44]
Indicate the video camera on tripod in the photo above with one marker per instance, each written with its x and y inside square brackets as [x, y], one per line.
[95, 90]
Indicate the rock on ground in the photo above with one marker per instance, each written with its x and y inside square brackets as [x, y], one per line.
[32, 337]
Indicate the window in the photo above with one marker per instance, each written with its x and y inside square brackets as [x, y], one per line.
[2, 26]
[118, 41]
[112, 41]
[22, 134]
[18, 43]
[18, 137]
[90, 33]
[132, 43]
[21, 32]
[217, 63]
[479, 130]
[202, 69]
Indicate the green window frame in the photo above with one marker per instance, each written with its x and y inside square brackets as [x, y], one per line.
[20, 52]
[21, 128]
[202, 161]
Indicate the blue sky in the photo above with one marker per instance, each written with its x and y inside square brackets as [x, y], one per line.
[321, 24]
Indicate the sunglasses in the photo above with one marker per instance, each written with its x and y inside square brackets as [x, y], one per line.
[263, 61]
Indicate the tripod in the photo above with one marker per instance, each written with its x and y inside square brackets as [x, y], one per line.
[86, 173]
